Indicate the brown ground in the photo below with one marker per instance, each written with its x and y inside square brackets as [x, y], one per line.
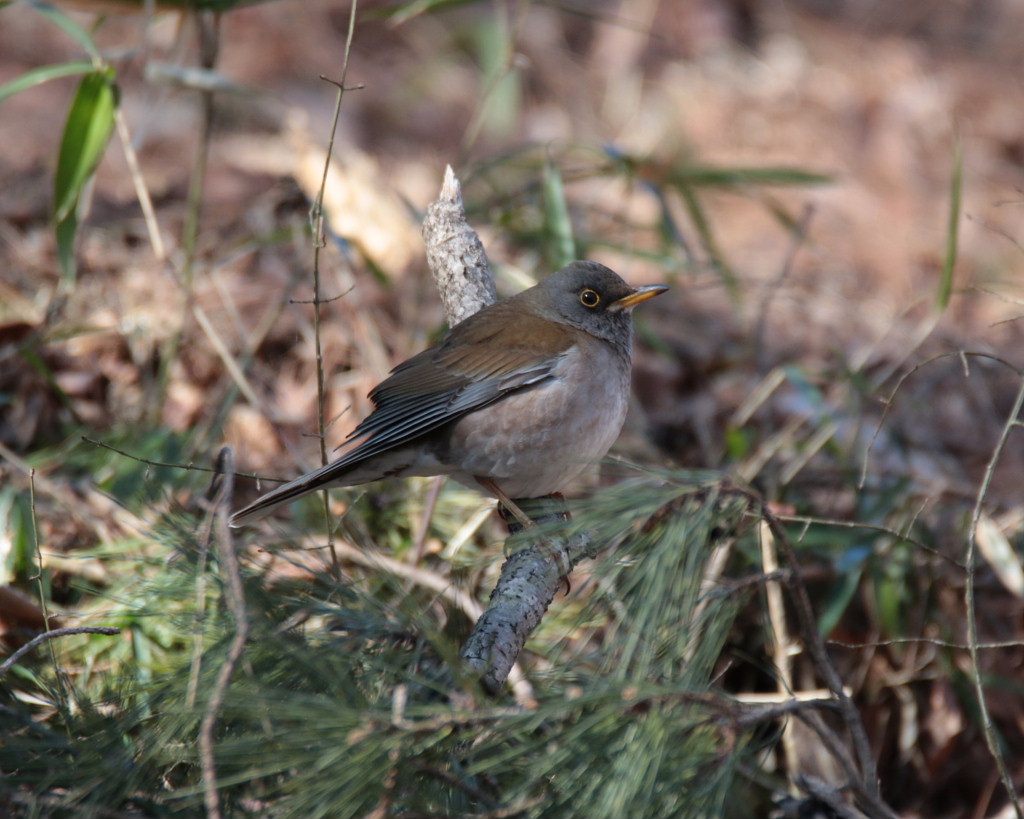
[876, 96]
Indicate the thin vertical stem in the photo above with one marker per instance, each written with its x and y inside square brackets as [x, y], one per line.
[317, 219]
[209, 45]
[972, 618]
[62, 695]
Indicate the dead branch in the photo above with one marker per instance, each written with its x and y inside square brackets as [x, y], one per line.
[49, 635]
[864, 773]
[528, 583]
[456, 255]
[223, 490]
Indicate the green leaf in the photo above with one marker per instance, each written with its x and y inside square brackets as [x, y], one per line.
[557, 222]
[37, 76]
[706, 176]
[671, 232]
[894, 589]
[952, 231]
[501, 101]
[737, 443]
[17, 548]
[707, 237]
[86, 133]
[839, 597]
[400, 13]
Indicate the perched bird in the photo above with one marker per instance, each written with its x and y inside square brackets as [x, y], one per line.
[515, 401]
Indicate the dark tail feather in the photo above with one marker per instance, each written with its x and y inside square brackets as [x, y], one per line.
[266, 504]
[321, 478]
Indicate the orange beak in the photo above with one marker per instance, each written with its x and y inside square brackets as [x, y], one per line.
[640, 294]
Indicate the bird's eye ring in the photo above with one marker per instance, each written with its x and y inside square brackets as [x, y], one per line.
[590, 298]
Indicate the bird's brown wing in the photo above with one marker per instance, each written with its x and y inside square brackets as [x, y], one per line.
[477, 364]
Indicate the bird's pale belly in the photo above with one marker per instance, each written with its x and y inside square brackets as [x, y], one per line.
[544, 437]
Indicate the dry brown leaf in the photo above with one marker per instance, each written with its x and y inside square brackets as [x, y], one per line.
[995, 547]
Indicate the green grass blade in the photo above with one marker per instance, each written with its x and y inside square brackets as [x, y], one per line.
[952, 230]
[44, 73]
[557, 222]
[399, 13]
[707, 237]
[86, 134]
[705, 176]
[89, 126]
[66, 230]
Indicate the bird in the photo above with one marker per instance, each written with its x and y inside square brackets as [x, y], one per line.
[515, 401]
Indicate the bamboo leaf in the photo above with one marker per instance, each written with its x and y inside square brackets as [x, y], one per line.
[711, 177]
[66, 230]
[707, 237]
[843, 590]
[952, 231]
[44, 73]
[399, 13]
[86, 133]
[557, 222]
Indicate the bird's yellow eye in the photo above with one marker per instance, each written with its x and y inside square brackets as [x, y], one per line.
[590, 298]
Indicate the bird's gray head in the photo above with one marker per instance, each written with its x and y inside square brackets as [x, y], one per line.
[593, 298]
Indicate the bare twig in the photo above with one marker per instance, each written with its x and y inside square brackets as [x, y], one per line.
[797, 239]
[833, 743]
[929, 641]
[963, 355]
[230, 364]
[70, 502]
[317, 218]
[139, 182]
[235, 598]
[829, 795]
[39, 553]
[49, 635]
[204, 540]
[866, 782]
[61, 692]
[972, 618]
[899, 534]
[443, 586]
[780, 640]
[208, 25]
[189, 466]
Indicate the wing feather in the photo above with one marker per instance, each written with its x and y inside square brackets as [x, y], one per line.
[476, 365]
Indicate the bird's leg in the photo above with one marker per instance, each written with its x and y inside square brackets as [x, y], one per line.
[506, 501]
[544, 509]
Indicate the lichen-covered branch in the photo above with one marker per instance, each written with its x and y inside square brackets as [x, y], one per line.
[456, 255]
[530, 577]
[529, 580]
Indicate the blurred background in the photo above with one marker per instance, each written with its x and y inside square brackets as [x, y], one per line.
[833, 188]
